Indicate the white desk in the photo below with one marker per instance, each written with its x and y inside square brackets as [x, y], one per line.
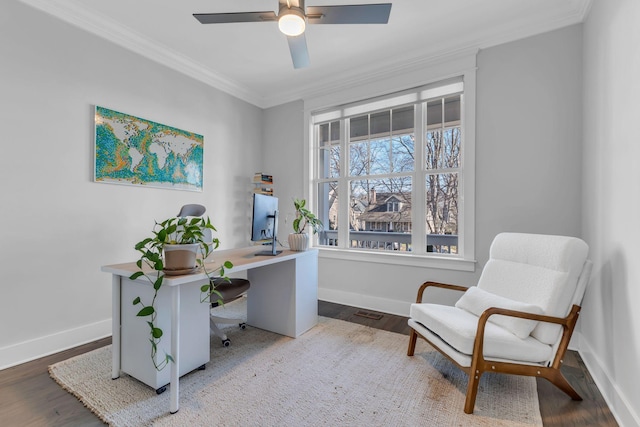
[283, 298]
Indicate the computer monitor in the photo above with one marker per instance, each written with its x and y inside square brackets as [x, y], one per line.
[264, 221]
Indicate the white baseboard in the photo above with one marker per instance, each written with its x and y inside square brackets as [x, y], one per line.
[27, 351]
[625, 413]
[384, 305]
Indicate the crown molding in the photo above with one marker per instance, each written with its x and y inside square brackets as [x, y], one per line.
[583, 7]
[402, 66]
[122, 36]
[108, 29]
[460, 47]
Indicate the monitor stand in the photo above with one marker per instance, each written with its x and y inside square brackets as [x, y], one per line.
[272, 252]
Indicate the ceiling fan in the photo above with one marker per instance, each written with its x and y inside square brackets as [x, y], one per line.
[293, 17]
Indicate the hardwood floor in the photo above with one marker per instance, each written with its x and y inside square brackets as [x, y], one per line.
[29, 397]
[556, 408]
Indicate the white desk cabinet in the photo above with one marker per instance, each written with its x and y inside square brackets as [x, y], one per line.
[135, 348]
[283, 298]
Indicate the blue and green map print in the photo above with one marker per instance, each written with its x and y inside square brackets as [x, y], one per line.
[131, 150]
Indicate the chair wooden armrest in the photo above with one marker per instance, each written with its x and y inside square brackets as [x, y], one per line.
[568, 323]
[425, 285]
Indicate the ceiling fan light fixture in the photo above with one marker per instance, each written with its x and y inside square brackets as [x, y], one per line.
[291, 21]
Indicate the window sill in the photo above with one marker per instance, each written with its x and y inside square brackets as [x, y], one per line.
[425, 261]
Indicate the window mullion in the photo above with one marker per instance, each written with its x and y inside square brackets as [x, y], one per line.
[418, 215]
[343, 185]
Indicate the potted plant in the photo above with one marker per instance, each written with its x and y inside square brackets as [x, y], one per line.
[173, 249]
[299, 239]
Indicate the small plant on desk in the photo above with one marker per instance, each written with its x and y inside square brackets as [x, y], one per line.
[299, 240]
[179, 239]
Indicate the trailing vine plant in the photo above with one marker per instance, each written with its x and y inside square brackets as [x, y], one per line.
[176, 230]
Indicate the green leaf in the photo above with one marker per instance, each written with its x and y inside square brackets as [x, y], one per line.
[135, 275]
[158, 283]
[142, 243]
[136, 301]
[228, 264]
[156, 332]
[146, 311]
[169, 358]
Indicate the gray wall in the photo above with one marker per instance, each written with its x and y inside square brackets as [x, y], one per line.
[60, 226]
[528, 166]
[610, 328]
[284, 159]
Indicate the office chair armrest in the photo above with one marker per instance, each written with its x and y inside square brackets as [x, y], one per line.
[425, 285]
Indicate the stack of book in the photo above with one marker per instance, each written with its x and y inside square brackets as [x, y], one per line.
[264, 190]
[263, 183]
[260, 177]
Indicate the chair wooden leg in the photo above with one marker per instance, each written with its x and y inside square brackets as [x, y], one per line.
[557, 379]
[412, 343]
[472, 392]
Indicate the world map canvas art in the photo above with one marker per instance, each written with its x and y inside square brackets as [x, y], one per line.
[131, 150]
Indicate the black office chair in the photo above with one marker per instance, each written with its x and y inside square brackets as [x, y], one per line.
[230, 290]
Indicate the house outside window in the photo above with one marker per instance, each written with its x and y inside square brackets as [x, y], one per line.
[388, 173]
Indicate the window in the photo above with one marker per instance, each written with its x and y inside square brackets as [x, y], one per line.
[393, 205]
[389, 173]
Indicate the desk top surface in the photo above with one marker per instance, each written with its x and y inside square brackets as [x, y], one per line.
[242, 259]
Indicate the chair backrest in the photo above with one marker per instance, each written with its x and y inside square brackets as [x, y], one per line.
[538, 269]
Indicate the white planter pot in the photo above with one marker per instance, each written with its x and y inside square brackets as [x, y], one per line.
[179, 259]
[298, 241]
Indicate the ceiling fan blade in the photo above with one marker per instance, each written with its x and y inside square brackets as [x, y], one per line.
[225, 18]
[299, 52]
[349, 14]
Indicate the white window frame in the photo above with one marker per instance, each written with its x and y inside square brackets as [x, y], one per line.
[383, 90]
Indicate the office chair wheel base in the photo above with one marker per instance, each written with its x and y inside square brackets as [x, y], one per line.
[226, 343]
[243, 325]
[161, 389]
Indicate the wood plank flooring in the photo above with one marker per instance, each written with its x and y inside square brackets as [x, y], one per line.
[29, 397]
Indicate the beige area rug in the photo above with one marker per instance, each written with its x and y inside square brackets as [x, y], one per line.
[337, 374]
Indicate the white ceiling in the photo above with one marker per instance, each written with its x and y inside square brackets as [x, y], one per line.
[252, 60]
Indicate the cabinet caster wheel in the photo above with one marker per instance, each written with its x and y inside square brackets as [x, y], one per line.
[201, 368]
[226, 343]
[243, 325]
[161, 390]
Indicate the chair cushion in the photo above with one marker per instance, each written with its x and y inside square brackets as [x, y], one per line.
[536, 269]
[458, 328]
[230, 289]
[476, 301]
